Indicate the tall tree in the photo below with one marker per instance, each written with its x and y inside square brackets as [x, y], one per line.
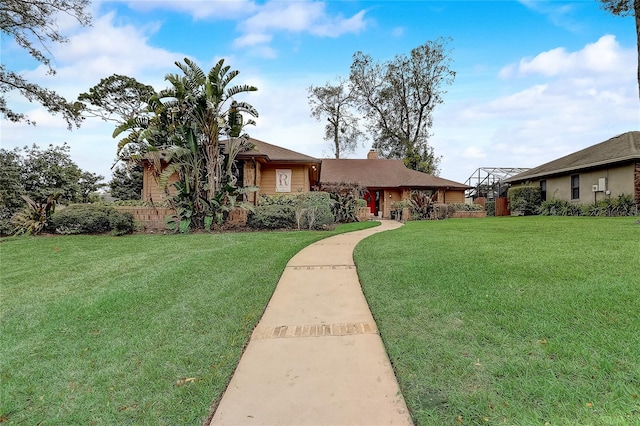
[47, 171]
[126, 183]
[187, 125]
[205, 103]
[626, 8]
[33, 25]
[117, 98]
[398, 98]
[335, 103]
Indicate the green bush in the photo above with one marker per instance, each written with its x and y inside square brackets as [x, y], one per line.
[525, 199]
[91, 219]
[310, 210]
[272, 216]
[623, 205]
[121, 223]
[314, 210]
[277, 200]
[490, 207]
[421, 205]
[442, 211]
[559, 208]
[464, 207]
[346, 200]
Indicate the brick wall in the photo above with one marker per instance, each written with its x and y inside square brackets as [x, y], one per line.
[149, 218]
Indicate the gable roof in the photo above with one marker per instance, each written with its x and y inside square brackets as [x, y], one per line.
[379, 173]
[275, 153]
[618, 149]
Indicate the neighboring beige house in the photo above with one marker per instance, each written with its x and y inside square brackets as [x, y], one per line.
[608, 169]
[276, 170]
[389, 181]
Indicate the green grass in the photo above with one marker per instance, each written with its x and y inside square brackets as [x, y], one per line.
[517, 321]
[104, 330]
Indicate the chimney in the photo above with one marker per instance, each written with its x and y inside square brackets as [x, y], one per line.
[372, 154]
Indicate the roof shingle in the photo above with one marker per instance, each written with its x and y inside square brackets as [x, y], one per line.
[276, 153]
[379, 173]
[618, 149]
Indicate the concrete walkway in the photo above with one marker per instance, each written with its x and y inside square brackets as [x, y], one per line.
[315, 357]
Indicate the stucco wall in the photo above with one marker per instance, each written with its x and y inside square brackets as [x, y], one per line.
[619, 181]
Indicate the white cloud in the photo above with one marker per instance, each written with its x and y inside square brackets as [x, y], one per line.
[200, 9]
[252, 39]
[604, 57]
[559, 102]
[298, 17]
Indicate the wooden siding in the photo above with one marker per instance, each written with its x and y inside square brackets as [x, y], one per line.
[452, 196]
[299, 178]
[151, 191]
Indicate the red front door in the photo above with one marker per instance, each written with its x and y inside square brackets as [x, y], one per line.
[372, 199]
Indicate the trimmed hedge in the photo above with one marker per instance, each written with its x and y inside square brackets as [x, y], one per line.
[91, 219]
[272, 216]
[310, 210]
[525, 199]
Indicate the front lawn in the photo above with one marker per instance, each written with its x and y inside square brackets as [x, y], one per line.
[143, 329]
[518, 321]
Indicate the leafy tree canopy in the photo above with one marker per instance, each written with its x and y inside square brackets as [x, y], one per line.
[117, 98]
[33, 26]
[126, 183]
[336, 103]
[38, 173]
[398, 98]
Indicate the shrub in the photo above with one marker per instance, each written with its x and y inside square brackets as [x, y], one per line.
[92, 219]
[464, 207]
[313, 210]
[36, 217]
[490, 207]
[559, 208]
[121, 223]
[277, 200]
[442, 211]
[421, 205]
[346, 200]
[525, 199]
[623, 205]
[310, 210]
[272, 216]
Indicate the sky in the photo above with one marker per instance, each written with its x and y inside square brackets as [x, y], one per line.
[535, 79]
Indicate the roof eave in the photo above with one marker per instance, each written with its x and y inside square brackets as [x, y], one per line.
[565, 170]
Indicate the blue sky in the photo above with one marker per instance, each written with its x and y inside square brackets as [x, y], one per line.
[535, 79]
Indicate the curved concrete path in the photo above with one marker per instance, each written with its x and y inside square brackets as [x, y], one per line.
[315, 357]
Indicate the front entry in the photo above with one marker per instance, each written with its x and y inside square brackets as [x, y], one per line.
[373, 201]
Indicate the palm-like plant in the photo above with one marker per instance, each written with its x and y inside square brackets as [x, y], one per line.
[204, 103]
[184, 128]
